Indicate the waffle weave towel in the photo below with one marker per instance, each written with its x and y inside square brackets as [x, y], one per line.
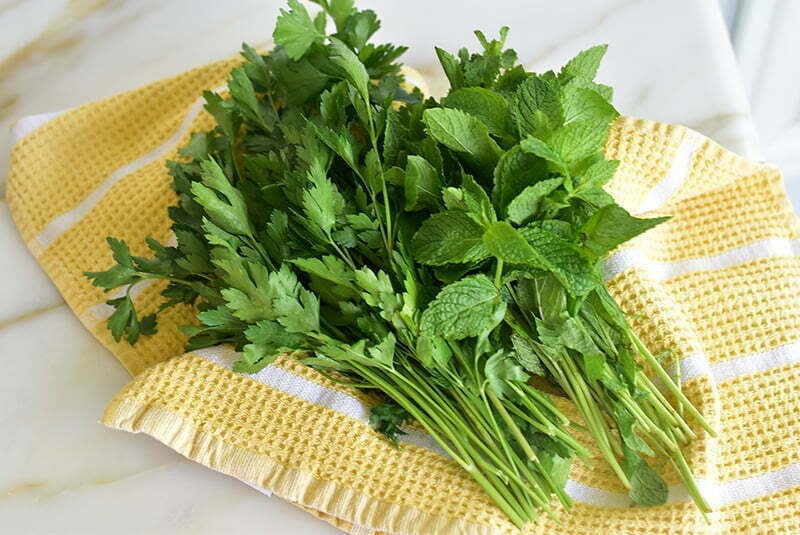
[719, 284]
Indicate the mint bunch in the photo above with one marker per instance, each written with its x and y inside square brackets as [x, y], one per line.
[436, 253]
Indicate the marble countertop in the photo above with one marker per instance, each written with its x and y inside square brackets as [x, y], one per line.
[60, 470]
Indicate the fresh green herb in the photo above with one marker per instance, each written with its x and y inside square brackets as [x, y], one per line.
[438, 253]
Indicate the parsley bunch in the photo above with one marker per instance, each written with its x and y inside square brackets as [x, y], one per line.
[436, 253]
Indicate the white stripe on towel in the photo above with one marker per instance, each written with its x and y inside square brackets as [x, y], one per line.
[717, 493]
[661, 271]
[312, 392]
[29, 123]
[63, 222]
[696, 365]
[676, 176]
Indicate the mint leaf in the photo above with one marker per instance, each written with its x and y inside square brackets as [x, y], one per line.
[611, 226]
[585, 64]
[537, 106]
[580, 104]
[526, 204]
[596, 175]
[571, 268]
[515, 171]
[488, 106]
[648, 488]
[422, 184]
[472, 306]
[476, 201]
[449, 238]
[579, 139]
[507, 244]
[525, 354]
[295, 30]
[543, 150]
[452, 69]
[464, 133]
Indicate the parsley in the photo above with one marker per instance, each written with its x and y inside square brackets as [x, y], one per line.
[439, 253]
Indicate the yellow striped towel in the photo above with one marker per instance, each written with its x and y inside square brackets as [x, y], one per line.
[719, 284]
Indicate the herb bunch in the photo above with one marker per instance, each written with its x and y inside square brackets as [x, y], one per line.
[437, 253]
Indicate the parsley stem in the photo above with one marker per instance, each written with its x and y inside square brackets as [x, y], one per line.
[670, 385]
[434, 428]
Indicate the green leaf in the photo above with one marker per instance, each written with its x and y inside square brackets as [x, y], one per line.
[648, 488]
[378, 291]
[295, 82]
[387, 419]
[571, 268]
[268, 339]
[593, 365]
[119, 275]
[359, 27]
[579, 139]
[298, 313]
[125, 322]
[541, 149]
[340, 10]
[353, 69]
[537, 106]
[383, 353]
[449, 238]
[611, 226]
[452, 69]
[515, 171]
[500, 370]
[507, 244]
[585, 64]
[222, 111]
[433, 352]
[295, 30]
[243, 93]
[422, 184]
[580, 104]
[224, 204]
[574, 336]
[277, 231]
[526, 355]
[472, 306]
[476, 201]
[488, 106]
[526, 204]
[327, 267]
[463, 133]
[322, 203]
[120, 252]
[588, 185]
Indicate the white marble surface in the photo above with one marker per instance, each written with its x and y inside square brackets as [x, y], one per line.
[60, 470]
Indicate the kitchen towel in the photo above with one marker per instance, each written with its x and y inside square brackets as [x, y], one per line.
[718, 284]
